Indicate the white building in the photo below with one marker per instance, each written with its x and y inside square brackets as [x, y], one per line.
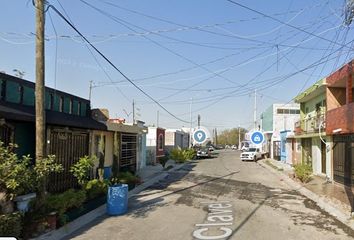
[279, 117]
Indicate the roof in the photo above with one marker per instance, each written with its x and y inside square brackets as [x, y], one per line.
[315, 90]
[121, 127]
[18, 112]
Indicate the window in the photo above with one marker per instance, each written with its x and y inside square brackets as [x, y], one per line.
[318, 106]
[20, 90]
[307, 110]
[3, 90]
[51, 103]
[160, 142]
[61, 104]
[70, 106]
[297, 111]
[280, 111]
[292, 111]
[79, 108]
[286, 111]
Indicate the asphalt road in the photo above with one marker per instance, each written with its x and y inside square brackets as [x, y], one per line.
[219, 198]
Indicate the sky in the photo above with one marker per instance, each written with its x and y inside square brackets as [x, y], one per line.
[207, 56]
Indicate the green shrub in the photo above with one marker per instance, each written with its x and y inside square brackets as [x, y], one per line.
[177, 155]
[95, 188]
[189, 153]
[125, 177]
[303, 172]
[81, 169]
[11, 224]
[62, 202]
[18, 176]
[182, 155]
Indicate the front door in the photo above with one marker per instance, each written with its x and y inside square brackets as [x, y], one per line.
[323, 157]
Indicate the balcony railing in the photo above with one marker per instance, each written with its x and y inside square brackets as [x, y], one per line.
[311, 124]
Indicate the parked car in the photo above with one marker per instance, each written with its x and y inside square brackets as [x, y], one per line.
[211, 148]
[252, 154]
[234, 147]
[203, 153]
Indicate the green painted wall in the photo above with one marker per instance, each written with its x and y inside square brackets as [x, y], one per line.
[267, 121]
[311, 105]
[47, 100]
[83, 109]
[12, 92]
[56, 102]
[66, 104]
[24, 137]
[28, 96]
[75, 107]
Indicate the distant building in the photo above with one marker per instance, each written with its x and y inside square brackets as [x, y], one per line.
[176, 138]
[278, 117]
[155, 145]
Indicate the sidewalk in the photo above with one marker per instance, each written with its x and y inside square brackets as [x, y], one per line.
[150, 175]
[331, 197]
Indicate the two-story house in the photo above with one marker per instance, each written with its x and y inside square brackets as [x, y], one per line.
[340, 122]
[311, 129]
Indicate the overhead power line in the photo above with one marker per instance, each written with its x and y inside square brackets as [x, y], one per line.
[111, 63]
[282, 22]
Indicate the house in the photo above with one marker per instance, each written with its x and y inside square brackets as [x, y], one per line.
[275, 119]
[310, 131]
[155, 145]
[68, 125]
[122, 145]
[340, 123]
[176, 138]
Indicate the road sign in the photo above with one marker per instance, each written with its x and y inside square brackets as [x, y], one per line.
[200, 135]
[257, 137]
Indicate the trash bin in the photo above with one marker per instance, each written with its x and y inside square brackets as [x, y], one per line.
[117, 199]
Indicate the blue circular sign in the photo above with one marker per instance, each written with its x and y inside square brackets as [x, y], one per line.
[200, 136]
[257, 137]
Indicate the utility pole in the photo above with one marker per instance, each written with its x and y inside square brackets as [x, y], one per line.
[157, 118]
[255, 110]
[190, 129]
[40, 85]
[90, 91]
[133, 111]
[198, 121]
[216, 136]
[239, 137]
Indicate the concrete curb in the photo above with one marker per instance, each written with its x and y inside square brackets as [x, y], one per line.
[324, 203]
[100, 211]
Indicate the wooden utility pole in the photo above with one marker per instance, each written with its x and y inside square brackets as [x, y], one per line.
[40, 86]
[133, 111]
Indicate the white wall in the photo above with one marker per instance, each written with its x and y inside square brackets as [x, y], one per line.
[151, 137]
[316, 155]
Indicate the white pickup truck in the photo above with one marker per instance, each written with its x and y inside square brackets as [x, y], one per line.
[252, 154]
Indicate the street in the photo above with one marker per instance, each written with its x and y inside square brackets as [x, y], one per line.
[219, 198]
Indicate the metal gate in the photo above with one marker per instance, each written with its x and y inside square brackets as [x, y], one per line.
[6, 134]
[276, 150]
[128, 152]
[343, 159]
[67, 146]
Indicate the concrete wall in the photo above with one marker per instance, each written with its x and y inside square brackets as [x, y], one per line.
[108, 160]
[316, 155]
[267, 119]
[170, 139]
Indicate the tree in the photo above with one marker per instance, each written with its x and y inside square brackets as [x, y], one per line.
[230, 136]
